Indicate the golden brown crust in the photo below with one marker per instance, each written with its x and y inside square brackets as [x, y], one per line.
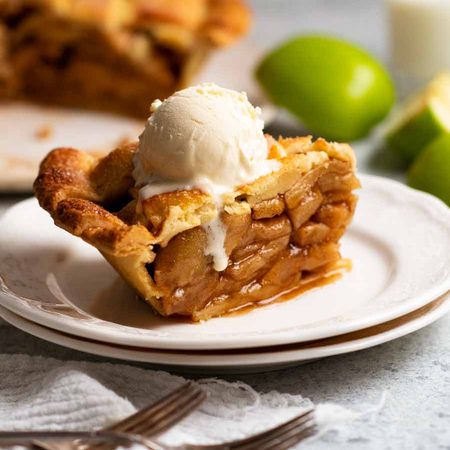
[112, 55]
[95, 199]
[76, 188]
[64, 174]
[220, 21]
[67, 174]
[226, 21]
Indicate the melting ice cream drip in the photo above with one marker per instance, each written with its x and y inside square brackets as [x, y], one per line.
[204, 137]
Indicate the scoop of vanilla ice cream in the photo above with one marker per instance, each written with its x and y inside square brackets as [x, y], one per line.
[204, 136]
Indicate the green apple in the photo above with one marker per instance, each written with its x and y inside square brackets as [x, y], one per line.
[338, 90]
[431, 170]
[426, 117]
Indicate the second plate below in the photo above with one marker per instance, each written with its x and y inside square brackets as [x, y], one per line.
[245, 360]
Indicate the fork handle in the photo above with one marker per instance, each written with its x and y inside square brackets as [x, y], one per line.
[55, 445]
[65, 438]
[47, 445]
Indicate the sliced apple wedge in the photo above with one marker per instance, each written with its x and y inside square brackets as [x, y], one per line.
[425, 118]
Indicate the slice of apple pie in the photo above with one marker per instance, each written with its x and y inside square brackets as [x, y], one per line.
[113, 55]
[206, 214]
[279, 227]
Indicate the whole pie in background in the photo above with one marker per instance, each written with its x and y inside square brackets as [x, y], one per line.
[112, 55]
[279, 229]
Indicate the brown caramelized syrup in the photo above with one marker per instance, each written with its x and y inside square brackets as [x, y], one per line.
[119, 304]
[325, 275]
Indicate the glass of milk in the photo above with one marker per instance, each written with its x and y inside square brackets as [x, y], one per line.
[419, 40]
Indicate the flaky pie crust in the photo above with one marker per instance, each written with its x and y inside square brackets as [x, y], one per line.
[220, 21]
[110, 55]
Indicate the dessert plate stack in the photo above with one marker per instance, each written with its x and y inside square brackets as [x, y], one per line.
[58, 288]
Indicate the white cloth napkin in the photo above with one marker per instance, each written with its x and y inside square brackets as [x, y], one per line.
[43, 393]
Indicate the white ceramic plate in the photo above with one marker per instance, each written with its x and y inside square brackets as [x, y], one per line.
[29, 132]
[245, 360]
[399, 243]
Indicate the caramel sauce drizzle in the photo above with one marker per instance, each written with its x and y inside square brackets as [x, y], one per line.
[323, 276]
[118, 303]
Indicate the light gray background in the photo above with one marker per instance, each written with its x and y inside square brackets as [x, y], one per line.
[414, 371]
[361, 21]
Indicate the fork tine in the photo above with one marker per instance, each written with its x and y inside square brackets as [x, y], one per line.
[279, 438]
[260, 439]
[153, 409]
[290, 441]
[150, 424]
[180, 413]
[173, 414]
[284, 432]
[149, 417]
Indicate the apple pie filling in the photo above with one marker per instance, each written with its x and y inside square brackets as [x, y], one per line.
[270, 247]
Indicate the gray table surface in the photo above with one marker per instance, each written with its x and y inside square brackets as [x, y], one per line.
[414, 371]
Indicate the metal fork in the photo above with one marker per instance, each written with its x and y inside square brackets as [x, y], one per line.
[163, 415]
[68, 440]
[281, 437]
[156, 418]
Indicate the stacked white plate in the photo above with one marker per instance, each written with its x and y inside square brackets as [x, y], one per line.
[57, 287]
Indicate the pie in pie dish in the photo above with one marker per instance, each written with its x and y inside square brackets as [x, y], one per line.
[113, 55]
[278, 228]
